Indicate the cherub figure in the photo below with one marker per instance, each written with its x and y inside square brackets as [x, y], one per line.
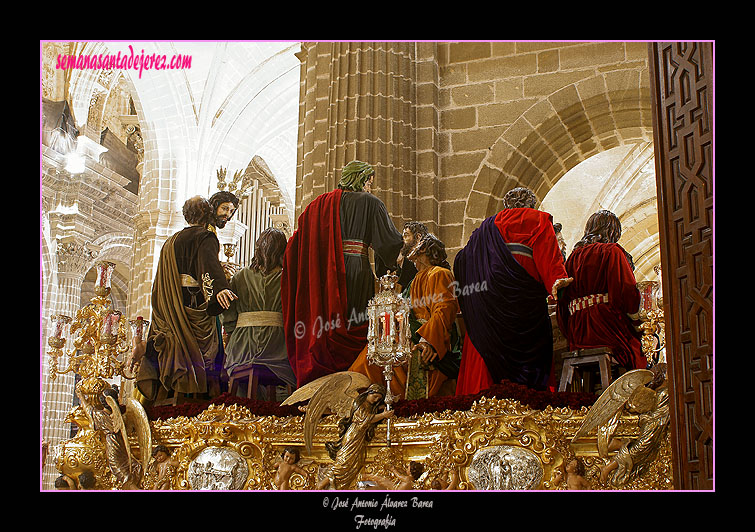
[404, 480]
[161, 470]
[575, 475]
[287, 466]
[441, 483]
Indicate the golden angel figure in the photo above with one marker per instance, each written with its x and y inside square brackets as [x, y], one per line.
[114, 420]
[643, 392]
[349, 451]
[339, 393]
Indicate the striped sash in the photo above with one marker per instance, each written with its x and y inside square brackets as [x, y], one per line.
[586, 301]
[519, 249]
[355, 248]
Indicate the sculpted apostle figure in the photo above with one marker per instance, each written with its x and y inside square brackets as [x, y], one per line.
[509, 332]
[600, 308]
[327, 277]
[412, 233]
[254, 322]
[432, 321]
[189, 290]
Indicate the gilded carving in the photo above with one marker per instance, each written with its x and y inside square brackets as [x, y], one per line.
[537, 444]
[207, 282]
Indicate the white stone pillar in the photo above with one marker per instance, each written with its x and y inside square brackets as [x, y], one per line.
[57, 396]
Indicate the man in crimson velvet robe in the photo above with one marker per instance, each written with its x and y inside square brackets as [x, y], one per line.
[506, 272]
[599, 309]
[327, 278]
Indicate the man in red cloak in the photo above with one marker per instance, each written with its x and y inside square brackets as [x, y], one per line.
[506, 272]
[327, 277]
[601, 306]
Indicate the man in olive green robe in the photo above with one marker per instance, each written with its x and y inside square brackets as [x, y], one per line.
[254, 322]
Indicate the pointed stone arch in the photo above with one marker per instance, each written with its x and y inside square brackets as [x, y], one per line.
[557, 133]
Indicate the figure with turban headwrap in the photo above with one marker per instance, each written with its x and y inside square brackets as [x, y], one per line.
[600, 308]
[189, 291]
[515, 255]
[327, 277]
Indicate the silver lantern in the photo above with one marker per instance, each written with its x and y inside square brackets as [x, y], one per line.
[388, 335]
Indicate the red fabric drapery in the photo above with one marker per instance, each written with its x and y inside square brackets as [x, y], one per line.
[319, 339]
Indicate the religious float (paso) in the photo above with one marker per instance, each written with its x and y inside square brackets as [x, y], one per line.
[506, 438]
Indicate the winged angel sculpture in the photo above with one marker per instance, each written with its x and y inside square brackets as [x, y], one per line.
[359, 405]
[116, 421]
[642, 392]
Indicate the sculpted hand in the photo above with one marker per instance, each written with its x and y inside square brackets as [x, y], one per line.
[426, 352]
[139, 347]
[228, 269]
[559, 284]
[226, 297]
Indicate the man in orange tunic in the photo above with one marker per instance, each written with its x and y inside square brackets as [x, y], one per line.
[434, 308]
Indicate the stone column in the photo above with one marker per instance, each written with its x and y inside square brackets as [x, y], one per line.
[74, 260]
[152, 229]
[373, 102]
[427, 145]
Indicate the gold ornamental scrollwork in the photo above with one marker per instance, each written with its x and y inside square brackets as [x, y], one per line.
[445, 443]
[219, 429]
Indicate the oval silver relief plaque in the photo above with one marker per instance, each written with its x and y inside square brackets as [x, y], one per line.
[218, 468]
[505, 467]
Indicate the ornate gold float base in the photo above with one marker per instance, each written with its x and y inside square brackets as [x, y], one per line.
[496, 445]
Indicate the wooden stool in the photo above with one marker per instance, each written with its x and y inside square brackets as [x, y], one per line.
[167, 397]
[581, 357]
[256, 376]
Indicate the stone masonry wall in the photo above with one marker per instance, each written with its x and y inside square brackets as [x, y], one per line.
[452, 126]
[524, 113]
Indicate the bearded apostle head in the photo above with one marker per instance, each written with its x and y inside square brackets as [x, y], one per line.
[412, 233]
[224, 205]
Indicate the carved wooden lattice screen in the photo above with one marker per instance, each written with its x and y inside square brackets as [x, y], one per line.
[682, 95]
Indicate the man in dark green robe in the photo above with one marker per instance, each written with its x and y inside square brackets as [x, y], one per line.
[327, 276]
[254, 322]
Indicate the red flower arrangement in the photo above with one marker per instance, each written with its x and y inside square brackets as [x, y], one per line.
[504, 390]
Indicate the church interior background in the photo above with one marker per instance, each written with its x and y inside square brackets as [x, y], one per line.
[449, 126]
